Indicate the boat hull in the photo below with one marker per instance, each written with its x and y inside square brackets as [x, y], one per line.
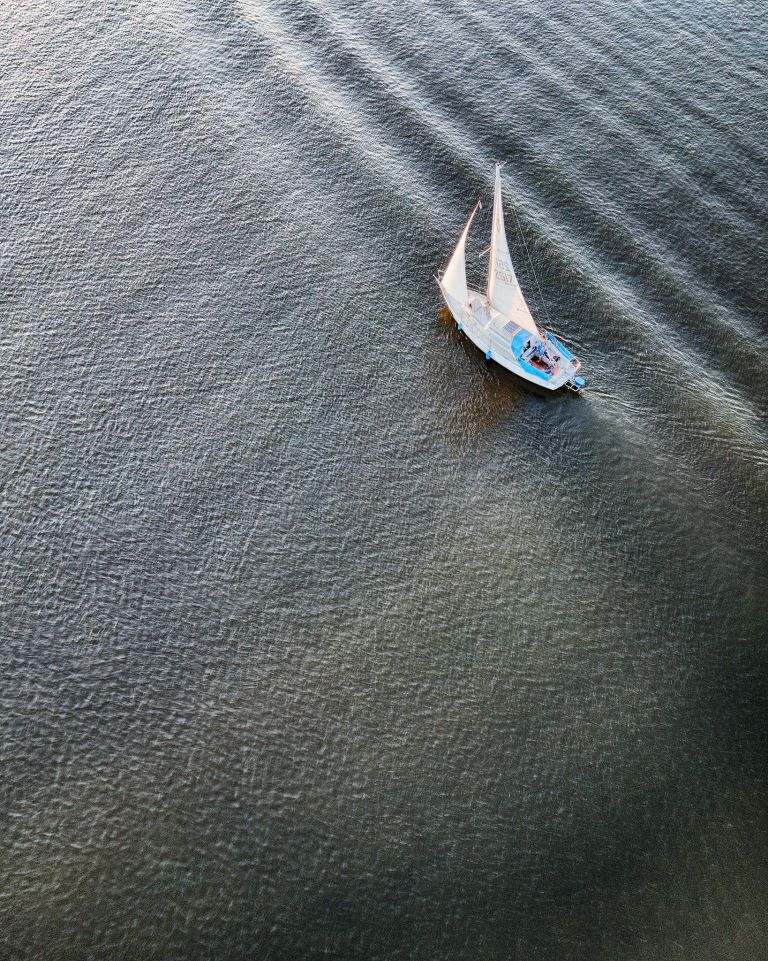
[503, 343]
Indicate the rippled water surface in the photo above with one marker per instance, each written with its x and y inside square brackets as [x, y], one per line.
[321, 638]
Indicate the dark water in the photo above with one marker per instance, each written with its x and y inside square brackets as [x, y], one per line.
[320, 637]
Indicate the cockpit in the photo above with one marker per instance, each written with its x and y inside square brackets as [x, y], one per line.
[540, 354]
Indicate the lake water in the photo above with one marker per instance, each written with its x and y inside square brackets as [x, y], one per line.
[321, 637]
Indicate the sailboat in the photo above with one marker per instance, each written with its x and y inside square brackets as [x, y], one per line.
[499, 321]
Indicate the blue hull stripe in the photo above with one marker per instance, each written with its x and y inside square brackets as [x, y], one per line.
[563, 351]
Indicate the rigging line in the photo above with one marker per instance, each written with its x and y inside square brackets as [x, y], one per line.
[533, 269]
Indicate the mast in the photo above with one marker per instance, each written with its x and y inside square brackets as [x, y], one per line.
[502, 280]
[504, 293]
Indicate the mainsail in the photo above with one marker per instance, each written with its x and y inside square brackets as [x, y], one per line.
[454, 279]
[504, 293]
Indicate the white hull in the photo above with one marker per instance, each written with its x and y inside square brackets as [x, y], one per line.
[500, 339]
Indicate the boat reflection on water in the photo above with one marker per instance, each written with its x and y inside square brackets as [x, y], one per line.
[471, 397]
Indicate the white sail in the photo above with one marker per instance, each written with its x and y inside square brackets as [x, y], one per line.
[504, 293]
[454, 279]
